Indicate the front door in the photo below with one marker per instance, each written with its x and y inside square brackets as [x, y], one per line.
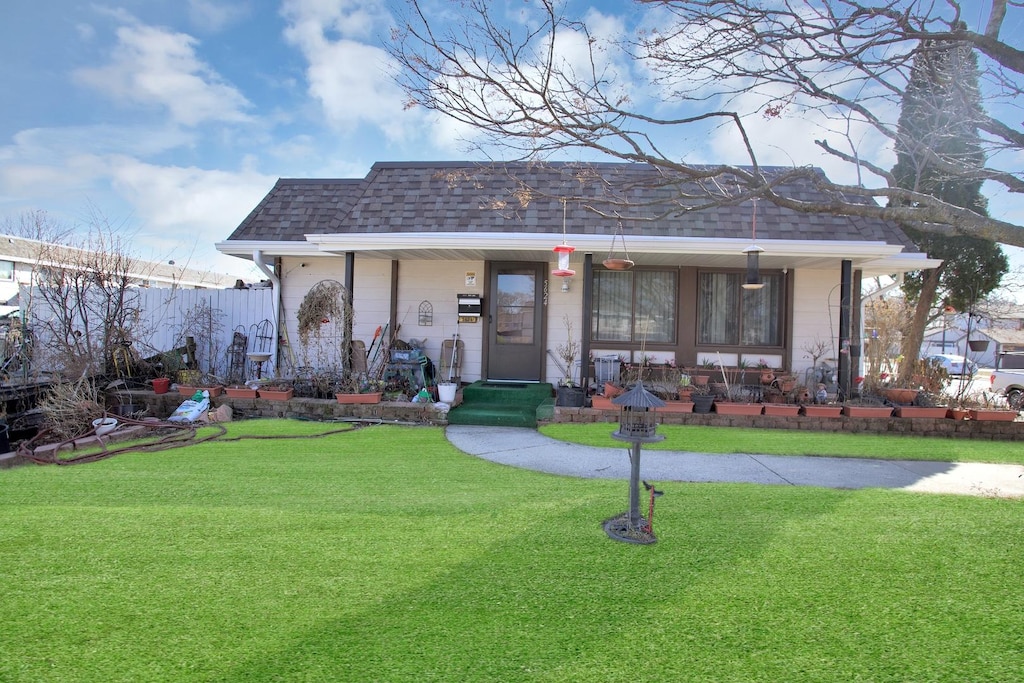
[515, 311]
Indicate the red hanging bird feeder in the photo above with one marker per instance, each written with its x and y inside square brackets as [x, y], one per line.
[563, 270]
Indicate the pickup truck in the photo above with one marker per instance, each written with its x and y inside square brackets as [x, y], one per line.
[1009, 383]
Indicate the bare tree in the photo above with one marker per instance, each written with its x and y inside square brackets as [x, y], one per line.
[532, 82]
[83, 302]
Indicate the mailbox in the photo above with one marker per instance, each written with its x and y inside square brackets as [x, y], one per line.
[469, 306]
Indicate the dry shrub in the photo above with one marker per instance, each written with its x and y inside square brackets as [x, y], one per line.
[70, 407]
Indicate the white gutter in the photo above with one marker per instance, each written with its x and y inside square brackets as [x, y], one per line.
[638, 243]
[275, 283]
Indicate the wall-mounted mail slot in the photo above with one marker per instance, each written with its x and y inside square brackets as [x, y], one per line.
[469, 305]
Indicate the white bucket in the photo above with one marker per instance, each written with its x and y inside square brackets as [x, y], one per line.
[446, 392]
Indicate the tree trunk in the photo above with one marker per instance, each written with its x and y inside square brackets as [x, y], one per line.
[910, 347]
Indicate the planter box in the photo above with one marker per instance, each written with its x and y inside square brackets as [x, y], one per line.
[240, 392]
[957, 414]
[822, 411]
[276, 394]
[188, 390]
[993, 415]
[920, 411]
[359, 398]
[569, 397]
[602, 403]
[781, 409]
[738, 408]
[867, 411]
[676, 407]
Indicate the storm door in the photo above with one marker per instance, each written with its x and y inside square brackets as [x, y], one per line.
[516, 315]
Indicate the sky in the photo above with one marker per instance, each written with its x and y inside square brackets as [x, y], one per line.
[171, 119]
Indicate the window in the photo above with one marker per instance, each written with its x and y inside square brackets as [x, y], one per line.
[635, 306]
[729, 315]
[6, 271]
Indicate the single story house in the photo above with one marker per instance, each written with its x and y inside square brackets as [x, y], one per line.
[417, 241]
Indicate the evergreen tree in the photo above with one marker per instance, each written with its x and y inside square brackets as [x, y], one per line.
[938, 133]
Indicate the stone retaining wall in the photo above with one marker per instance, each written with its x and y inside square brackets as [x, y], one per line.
[919, 426]
[425, 413]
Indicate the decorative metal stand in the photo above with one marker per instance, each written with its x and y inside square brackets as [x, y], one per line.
[637, 425]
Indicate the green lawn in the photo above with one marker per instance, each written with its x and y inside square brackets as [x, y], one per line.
[384, 554]
[702, 439]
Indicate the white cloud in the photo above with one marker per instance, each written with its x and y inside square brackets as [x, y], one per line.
[214, 15]
[188, 209]
[155, 67]
[351, 79]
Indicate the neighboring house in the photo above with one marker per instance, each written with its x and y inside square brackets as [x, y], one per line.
[1002, 326]
[22, 260]
[412, 237]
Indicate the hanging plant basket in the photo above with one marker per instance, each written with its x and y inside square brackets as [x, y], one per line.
[617, 263]
[978, 344]
[613, 262]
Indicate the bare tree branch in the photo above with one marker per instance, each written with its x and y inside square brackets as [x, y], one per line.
[543, 84]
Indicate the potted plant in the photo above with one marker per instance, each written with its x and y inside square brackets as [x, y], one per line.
[240, 391]
[359, 388]
[702, 399]
[568, 394]
[275, 391]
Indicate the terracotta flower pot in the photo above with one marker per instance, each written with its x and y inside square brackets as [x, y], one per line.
[359, 398]
[727, 408]
[781, 409]
[867, 411]
[276, 394]
[161, 385]
[240, 392]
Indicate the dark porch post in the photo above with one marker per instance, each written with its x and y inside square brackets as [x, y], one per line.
[586, 321]
[350, 280]
[845, 325]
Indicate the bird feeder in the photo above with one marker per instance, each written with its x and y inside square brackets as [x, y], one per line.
[637, 425]
[563, 250]
[637, 419]
[753, 279]
[753, 252]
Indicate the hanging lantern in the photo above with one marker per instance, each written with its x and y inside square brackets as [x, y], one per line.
[563, 270]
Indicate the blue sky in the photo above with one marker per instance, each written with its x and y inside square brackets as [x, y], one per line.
[172, 119]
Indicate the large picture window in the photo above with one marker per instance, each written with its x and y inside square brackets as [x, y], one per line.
[635, 306]
[729, 315]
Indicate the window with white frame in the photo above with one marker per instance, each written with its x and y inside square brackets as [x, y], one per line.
[729, 315]
[635, 306]
[7, 271]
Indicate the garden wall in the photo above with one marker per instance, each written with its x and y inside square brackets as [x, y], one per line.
[163, 405]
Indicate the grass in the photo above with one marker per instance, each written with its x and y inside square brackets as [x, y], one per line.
[700, 439]
[383, 554]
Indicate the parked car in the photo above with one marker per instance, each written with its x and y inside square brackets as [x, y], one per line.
[953, 365]
[1009, 383]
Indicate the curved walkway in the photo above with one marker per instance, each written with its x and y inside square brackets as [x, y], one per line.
[529, 449]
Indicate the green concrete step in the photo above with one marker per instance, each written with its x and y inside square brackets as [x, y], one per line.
[502, 404]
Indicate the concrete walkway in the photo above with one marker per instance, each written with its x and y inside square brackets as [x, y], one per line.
[529, 449]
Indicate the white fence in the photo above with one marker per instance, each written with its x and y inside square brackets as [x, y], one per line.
[169, 316]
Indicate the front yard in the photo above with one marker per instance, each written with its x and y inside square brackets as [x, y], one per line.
[384, 554]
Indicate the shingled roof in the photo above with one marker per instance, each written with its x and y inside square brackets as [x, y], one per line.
[424, 197]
